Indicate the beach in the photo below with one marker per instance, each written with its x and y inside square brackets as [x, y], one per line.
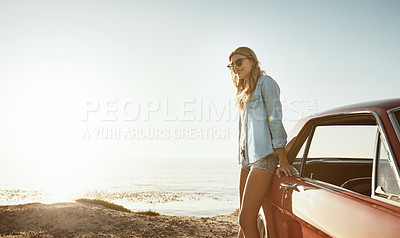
[175, 187]
[80, 219]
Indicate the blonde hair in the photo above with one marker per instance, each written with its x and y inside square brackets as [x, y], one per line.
[245, 88]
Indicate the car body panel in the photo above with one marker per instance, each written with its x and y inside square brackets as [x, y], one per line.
[320, 211]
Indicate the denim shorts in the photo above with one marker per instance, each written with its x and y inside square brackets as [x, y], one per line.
[267, 163]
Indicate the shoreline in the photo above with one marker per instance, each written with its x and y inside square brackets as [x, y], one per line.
[81, 219]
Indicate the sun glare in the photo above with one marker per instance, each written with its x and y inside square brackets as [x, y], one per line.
[47, 125]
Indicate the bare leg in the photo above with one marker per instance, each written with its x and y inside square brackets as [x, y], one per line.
[257, 184]
[242, 183]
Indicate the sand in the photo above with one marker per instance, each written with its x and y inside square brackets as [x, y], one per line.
[89, 220]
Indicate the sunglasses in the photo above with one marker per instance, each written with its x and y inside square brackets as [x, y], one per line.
[238, 63]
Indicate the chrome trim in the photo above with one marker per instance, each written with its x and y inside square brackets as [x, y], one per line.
[385, 200]
[393, 109]
[374, 162]
[395, 122]
[285, 186]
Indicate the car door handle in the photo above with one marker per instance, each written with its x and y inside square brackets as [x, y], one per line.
[288, 186]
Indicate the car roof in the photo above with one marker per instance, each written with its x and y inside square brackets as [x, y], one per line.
[377, 106]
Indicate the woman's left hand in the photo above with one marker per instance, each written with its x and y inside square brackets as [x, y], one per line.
[286, 169]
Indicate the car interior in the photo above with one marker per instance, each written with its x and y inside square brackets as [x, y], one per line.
[346, 171]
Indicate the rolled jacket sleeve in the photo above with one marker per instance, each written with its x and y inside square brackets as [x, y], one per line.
[271, 96]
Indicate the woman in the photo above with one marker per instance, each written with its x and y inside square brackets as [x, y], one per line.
[262, 137]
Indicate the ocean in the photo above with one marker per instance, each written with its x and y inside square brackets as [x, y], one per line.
[182, 187]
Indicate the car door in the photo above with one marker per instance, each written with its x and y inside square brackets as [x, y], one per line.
[338, 164]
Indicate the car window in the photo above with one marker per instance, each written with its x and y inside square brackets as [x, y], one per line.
[341, 155]
[355, 142]
[397, 114]
[396, 122]
[386, 180]
[300, 154]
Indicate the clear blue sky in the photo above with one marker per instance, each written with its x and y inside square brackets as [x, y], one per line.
[58, 55]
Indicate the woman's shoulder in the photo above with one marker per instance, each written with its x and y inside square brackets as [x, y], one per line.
[268, 85]
[266, 80]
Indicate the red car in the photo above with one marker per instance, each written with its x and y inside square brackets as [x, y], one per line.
[348, 183]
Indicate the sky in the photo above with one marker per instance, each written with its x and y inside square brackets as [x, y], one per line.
[104, 83]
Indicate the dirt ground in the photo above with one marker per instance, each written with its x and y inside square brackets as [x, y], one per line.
[89, 220]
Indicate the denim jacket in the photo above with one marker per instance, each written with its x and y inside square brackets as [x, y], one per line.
[265, 130]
